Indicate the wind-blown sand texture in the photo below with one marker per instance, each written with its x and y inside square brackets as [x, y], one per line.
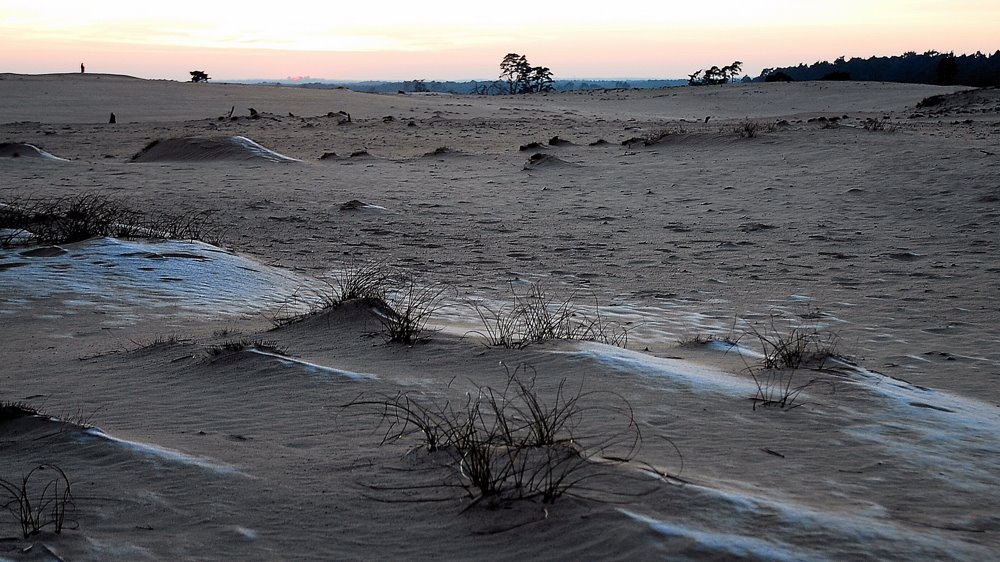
[888, 238]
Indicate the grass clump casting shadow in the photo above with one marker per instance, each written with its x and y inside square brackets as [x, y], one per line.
[405, 310]
[64, 220]
[401, 304]
[535, 317]
[784, 353]
[511, 443]
[368, 280]
[41, 498]
[10, 411]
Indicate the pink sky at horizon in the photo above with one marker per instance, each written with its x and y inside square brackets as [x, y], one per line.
[448, 40]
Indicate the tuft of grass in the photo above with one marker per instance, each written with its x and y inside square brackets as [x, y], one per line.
[40, 499]
[512, 443]
[400, 304]
[405, 310]
[235, 346]
[877, 125]
[535, 317]
[76, 218]
[158, 341]
[10, 411]
[785, 352]
[749, 128]
[13, 410]
[370, 280]
[794, 347]
[703, 339]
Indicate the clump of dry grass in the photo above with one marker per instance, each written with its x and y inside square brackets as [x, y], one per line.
[785, 352]
[13, 410]
[235, 346]
[703, 339]
[512, 443]
[400, 303]
[877, 125]
[64, 220]
[535, 316]
[40, 498]
[750, 128]
[368, 280]
[405, 310]
[794, 347]
[158, 341]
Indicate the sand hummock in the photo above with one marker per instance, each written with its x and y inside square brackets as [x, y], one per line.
[215, 401]
[25, 150]
[201, 149]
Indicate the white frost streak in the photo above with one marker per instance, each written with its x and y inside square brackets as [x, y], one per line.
[313, 368]
[696, 376]
[165, 453]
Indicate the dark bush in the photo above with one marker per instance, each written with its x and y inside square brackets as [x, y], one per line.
[837, 76]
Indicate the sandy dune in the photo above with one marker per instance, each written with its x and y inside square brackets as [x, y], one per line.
[852, 211]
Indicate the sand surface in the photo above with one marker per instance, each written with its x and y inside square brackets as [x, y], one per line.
[887, 239]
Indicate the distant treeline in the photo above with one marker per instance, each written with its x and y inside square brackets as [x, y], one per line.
[932, 67]
[477, 86]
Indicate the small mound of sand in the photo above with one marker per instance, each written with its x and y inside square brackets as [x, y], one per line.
[24, 150]
[342, 117]
[539, 160]
[556, 141]
[201, 149]
[650, 139]
[443, 151]
[361, 155]
[531, 146]
[358, 205]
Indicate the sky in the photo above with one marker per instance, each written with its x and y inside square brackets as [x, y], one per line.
[466, 39]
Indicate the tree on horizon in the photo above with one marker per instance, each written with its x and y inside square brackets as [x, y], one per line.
[199, 76]
[519, 77]
[716, 75]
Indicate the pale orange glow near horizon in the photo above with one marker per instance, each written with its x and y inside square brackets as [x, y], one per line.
[459, 40]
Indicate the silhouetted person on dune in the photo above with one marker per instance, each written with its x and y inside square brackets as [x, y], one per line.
[81, 68]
